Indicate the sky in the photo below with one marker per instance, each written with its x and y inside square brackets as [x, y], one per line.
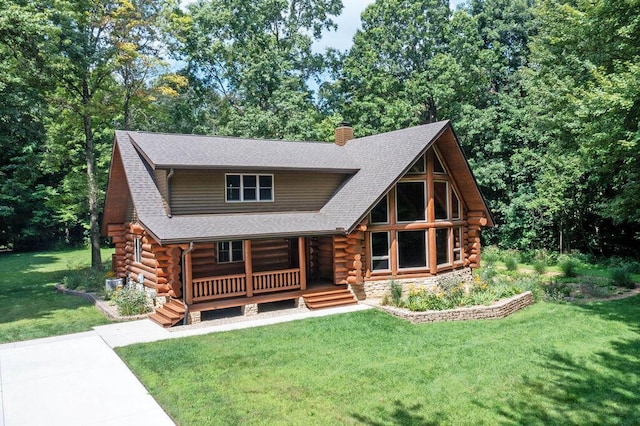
[348, 23]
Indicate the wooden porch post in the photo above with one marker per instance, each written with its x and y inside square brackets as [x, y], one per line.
[431, 217]
[302, 262]
[248, 267]
[188, 274]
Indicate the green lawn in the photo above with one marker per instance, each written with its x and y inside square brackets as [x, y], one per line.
[30, 306]
[548, 364]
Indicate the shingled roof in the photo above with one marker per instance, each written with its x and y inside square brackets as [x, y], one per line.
[375, 162]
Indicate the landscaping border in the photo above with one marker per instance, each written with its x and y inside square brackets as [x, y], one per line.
[103, 306]
[500, 309]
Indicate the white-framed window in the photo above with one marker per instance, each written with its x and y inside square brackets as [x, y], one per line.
[380, 251]
[419, 167]
[230, 251]
[456, 208]
[380, 213]
[443, 246]
[412, 249]
[137, 250]
[438, 168]
[248, 187]
[411, 201]
[457, 244]
[441, 199]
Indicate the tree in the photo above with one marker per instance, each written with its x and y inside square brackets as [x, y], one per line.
[254, 60]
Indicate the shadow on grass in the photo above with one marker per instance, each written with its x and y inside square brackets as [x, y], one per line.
[602, 389]
[399, 414]
[29, 293]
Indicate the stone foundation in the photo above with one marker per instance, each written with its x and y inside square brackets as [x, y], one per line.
[499, 309]
[194, 317]
[300, 303]
[378, 289]
[250, 309]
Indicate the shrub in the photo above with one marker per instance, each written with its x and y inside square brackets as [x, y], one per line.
[487, 272]
[621, 277]
[557, 291]
[490, 255]
[131, 301]
[511, 263]
[568, 266]
[540, 266]
[86, 279]
[396, 293]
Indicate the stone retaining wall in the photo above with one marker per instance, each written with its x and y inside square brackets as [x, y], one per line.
[378, 289]
[499, 309]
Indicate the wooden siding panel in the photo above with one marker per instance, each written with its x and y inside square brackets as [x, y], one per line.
[202, 192]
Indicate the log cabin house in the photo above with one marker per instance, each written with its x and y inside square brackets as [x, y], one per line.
[213, 222]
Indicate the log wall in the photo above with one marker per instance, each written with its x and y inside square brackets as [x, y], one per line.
[266, 255]
[160, 265]
[348, 265]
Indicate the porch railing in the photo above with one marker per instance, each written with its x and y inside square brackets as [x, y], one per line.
[211, 288]
[285, 279]
[220, 287]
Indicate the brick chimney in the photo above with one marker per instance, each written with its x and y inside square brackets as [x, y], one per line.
[344, 133]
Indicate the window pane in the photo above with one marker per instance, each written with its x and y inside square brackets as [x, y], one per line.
[380, 251]
[442, 245]
[437, 165]
[223, 252]
[380, 265]
[410, 201]
[266, 194]
[418, 167]
[233, 187]
[380, 213]
[412, 249]
[455, 205]
[236, 251]
[379, 244]
[249, 194]
[249, 181]
[457, 244]
[440, 199]
[266, 182]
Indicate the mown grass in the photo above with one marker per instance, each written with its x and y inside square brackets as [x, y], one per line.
[30, 306]
[548, 364]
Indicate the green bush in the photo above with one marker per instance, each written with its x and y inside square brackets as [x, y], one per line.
[511, 262]
[131, 301]
[569, 266]
[490, 255]
[86, 279]
[487, 272]
[557, 291]
[621, 277]
[396, 294]
[540, 266]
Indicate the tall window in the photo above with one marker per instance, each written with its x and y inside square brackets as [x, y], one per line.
[441, 199]
[410, 201]
[137, 250]
[412, 249]
[230, 251]
[245, 187]
[455, 205]
[442, 246]
[457, 244]
[380, 251]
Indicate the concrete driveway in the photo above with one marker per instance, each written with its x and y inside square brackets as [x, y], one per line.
[75, 379]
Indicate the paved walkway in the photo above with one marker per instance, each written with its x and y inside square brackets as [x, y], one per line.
[78, 379]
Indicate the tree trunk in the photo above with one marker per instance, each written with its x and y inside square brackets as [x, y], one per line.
[92, 187]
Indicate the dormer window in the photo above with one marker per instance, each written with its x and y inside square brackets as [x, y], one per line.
[248, 187]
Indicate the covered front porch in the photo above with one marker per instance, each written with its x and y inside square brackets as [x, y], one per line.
[235, 273]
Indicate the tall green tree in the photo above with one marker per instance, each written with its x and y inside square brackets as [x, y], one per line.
[254, 60]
